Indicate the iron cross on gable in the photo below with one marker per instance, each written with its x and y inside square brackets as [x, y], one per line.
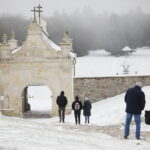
[34, 10]
[39, 11]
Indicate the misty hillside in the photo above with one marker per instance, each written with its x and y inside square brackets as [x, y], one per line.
[89, 30]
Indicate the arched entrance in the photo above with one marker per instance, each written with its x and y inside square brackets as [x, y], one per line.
[37, 101]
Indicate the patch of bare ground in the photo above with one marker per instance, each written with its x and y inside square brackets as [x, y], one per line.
[111, 130]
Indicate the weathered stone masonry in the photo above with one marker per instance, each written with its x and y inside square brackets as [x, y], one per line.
[39, 61]
[98, 88]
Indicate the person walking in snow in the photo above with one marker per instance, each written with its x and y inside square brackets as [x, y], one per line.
[61, 102]
[87, 110]
[135, 103]
[77, 107]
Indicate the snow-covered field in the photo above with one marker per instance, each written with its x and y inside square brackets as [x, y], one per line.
[105, 131]
[101, 64]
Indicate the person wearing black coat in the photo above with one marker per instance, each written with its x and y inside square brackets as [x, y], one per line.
[61, 102]
[135, 103]
[77, 107]
[87, 110]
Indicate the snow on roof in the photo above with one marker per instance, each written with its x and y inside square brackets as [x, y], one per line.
[127, 48]
[73, 55]
[15, 50]
[51, 43]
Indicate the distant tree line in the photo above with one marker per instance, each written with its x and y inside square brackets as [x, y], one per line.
[89, 31]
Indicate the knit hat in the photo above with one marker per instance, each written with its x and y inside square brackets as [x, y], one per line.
[140, 84]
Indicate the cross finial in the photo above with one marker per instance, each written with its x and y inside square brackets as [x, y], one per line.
[34, 10]
[39, 11]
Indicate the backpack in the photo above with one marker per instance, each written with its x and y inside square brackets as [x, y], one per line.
[147, 117]
[76, 106]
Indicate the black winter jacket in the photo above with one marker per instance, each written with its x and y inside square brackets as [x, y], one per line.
[61, 101]
[135, 100]
[87, 108]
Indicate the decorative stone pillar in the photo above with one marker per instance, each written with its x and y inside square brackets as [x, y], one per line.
[4, 38]
[4, 48]
[12, 42]
[66, 45]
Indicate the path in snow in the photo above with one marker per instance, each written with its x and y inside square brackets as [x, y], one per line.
[115, 131]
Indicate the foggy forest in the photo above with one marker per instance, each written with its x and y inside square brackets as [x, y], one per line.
[90, 31]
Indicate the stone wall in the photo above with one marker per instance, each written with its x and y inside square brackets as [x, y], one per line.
[98, 88]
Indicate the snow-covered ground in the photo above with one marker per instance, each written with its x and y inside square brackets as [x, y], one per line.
[105, 131]
[100, 63]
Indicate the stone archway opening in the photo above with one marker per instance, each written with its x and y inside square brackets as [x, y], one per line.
[38, 101]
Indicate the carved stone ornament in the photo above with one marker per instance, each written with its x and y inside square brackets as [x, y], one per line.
[12, 35]
[4, 38]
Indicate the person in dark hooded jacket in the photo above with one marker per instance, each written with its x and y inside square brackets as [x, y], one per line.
[135, 103]
[87, 110]
[61, 102]
[77, 107]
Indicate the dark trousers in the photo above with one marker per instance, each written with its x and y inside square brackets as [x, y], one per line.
[77, 114]
[61, 114]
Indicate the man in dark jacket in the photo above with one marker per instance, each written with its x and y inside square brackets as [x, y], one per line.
[61, 102]
[77, 107]
[135, 103]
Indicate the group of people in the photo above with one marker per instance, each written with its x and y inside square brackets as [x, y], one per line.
[135, 103]
[77, 106]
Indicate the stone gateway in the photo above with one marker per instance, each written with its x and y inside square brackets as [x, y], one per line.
[39, 61]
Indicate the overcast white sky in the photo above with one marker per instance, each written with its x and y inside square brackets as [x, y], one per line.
[23, 7]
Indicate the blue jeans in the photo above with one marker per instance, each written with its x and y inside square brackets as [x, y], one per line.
[87, 119]
[137, 119]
